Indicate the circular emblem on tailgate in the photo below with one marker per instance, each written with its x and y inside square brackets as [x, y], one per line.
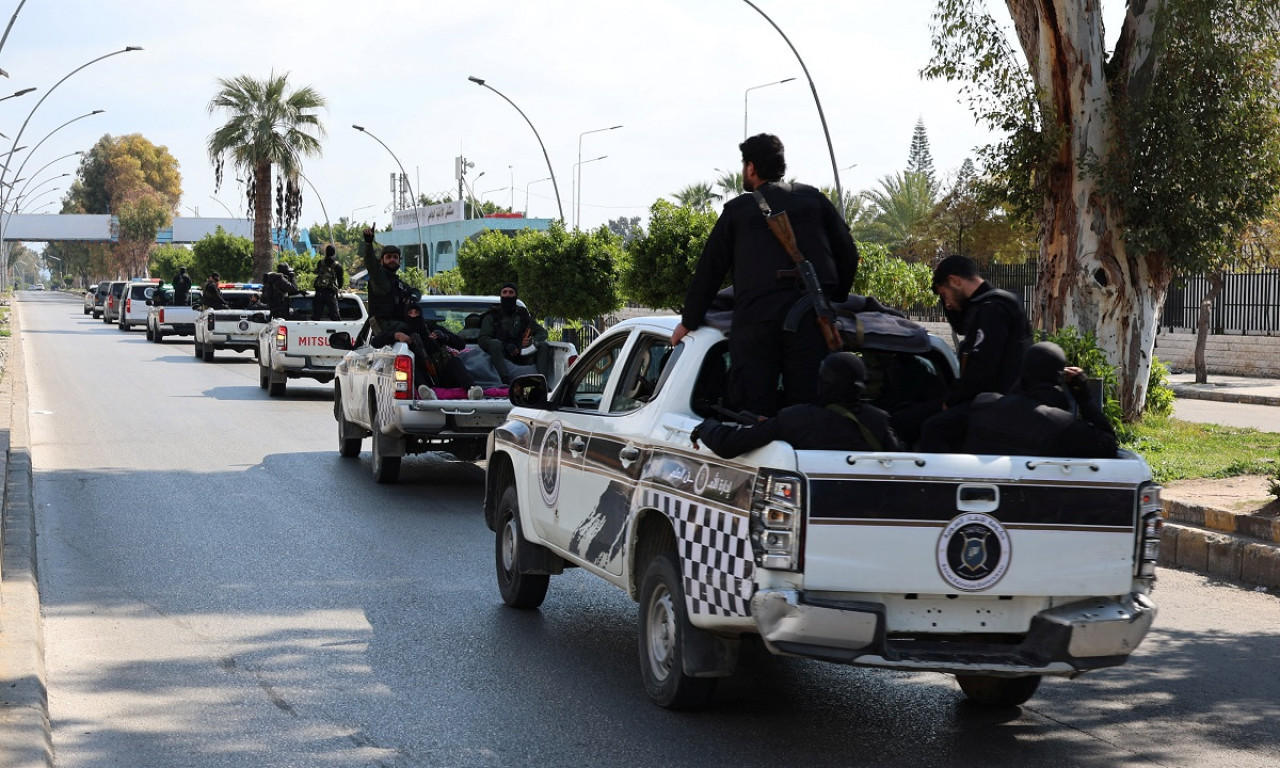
[549, 463]
[973, 552]
[244, 325]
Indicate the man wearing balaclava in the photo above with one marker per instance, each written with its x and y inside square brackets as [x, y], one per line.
[329, 280]
[280, 288]
[181, 288]
[512, 337]
[839, 421]
[388, 294]
[1051, 413]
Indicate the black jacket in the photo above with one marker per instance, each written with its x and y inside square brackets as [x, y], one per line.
[1039, 423]
[330, 276]
[996, 337]
[742, 245]
[279, 288]
[388, 294]
[181, 287]
[212, 297]
[805, 427]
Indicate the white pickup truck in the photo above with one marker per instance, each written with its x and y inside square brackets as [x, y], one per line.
[997, 569]
[375, 395]
[298, 348]
[169, 319]
[235, 328]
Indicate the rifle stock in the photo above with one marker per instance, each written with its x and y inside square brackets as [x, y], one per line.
[780, 224]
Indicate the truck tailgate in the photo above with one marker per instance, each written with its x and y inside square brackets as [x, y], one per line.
[963, 524]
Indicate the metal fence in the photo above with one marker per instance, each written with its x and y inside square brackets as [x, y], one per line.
[1248, 305]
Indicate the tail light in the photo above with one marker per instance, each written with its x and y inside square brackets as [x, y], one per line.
[282, 338]
[404, 377]
[160, 317]
[128, 306]
[777, 517]
[1151, 523]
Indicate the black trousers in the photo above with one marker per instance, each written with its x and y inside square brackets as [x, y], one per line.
[761, 353]
[324, 306]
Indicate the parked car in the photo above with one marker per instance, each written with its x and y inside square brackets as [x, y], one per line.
[114, 302]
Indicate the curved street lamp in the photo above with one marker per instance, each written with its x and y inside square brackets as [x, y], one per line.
[224, 206]
[322, 208]
[526, 193]
[550, 170]
[577, 177]
[830, 149]
[4, 254]
[42, 141]
[405, 176]
[577, 172]
[22, 92]
[744, 101]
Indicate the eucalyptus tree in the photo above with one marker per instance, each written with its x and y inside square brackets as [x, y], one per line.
[1137, 164]
[268, 125]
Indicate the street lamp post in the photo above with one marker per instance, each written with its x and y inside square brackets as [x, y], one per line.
[417, 218]
[352, 220]
[4, 255]
[577, 172]
[822, 117]
[224, 206]
[471, 192]
[326, 213]
[32, 153]
[577, 181]
[12, 19]
[526, 193]
[744, 101]
[550, 170]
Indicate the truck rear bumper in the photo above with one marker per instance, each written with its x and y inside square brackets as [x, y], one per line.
[446, 418]
[1066, 640]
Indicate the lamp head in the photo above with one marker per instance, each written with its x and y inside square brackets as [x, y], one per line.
[357, 127]
[24, 91]
[128, 48]
[476, 80]
[97, 111]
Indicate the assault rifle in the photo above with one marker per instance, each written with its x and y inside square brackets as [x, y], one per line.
[780, 224]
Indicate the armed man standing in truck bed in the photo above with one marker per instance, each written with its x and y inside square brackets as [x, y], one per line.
[774, 328]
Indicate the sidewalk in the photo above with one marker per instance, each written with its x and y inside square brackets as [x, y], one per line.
[1227, 389]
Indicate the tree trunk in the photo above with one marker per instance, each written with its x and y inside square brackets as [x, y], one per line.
[262, 245]
[1202, 324]
[1088, 279]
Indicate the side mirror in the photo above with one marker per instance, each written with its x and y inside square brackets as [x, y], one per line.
[529, 391]
[341, 340]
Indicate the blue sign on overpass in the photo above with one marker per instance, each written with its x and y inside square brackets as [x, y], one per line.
[101, 228]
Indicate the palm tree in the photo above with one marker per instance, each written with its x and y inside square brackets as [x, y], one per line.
[730, 183]
[268, 125]
[698, 196]
[902, 210]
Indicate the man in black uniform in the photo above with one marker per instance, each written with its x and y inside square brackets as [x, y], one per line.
[388, 294]
[765, 341]
[840, 421]
[996, 334]
[280, 287]
[181, 288]
[510, 336]
[329, 280]
[1050, 414]
[212, 297]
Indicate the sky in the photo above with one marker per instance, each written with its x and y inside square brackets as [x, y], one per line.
[674, 74]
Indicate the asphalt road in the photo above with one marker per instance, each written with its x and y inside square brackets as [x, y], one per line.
[219, 588]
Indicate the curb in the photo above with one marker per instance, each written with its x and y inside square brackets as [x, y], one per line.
[1223, 544]
[1207, 392]
[26, 739]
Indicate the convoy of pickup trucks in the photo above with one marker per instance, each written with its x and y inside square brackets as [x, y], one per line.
[999, 570]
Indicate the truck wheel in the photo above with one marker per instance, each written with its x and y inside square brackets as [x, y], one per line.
[264, 376]
[207, 353]
[386, 469]
[86, 311]
[348, 447]
[519, 590]
[663, 627]
[199, 349]
[990, 691]
[157, 335]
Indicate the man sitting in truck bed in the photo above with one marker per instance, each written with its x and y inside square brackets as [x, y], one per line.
[435, 364]
[840, 421]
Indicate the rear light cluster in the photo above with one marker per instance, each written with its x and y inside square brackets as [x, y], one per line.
[777, 514]
[160, 316]
[128, 306]
[1151, 522]
[404, 377]
[282, 338]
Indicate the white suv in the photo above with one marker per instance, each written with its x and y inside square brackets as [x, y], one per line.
[133, 308]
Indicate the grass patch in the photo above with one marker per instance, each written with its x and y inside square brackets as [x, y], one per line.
[1179, 450]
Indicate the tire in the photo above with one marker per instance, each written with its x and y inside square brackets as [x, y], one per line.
[96, 315]
[276, 388]
[348, 447]
[151, 336]
[663, 627]
[386, 469]
[264, 376]
[86, 311]
[199, 348]
[157, 335]
[990, 691]
[519, 590]
[207, 353]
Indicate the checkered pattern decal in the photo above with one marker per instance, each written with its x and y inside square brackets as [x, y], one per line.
[715, 555]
